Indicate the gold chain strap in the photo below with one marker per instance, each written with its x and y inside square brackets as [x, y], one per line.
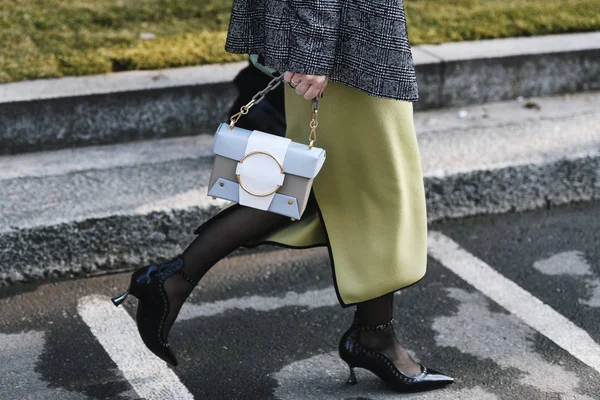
[314, 122]
[257, 98]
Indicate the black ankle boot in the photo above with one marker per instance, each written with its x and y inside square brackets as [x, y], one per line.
[147, 285]
[358, 356]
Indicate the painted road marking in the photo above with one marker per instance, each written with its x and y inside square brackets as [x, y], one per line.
[115, 330]
[20, 354]
[573, 264]
[475, 329]
[515, 299]
[311, 299]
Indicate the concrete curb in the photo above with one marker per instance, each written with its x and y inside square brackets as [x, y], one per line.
[127, 241]
[457, 74]
[69, 112]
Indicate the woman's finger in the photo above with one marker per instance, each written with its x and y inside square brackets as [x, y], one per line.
[302, 87]
[312, 92]
[296, 80]
[323, 88]
[309, 86]
[290, 77]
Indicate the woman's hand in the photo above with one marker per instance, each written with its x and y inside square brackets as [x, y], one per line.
[309, 86]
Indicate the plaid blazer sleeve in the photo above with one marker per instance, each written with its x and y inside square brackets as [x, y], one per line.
[314, 31]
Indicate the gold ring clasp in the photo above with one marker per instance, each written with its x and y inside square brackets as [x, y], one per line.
[239, 178]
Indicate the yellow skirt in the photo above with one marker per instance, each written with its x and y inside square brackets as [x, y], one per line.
[371, 210]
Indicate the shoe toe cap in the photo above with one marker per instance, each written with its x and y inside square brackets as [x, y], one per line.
[436, 376]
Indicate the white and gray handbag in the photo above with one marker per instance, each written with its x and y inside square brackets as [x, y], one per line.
[265, 171]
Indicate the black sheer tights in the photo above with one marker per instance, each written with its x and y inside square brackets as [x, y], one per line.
[217, 238]
[238, 225]
[378, 312]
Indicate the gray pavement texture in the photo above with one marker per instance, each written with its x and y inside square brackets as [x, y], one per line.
[80, 211]
[68, 112]
[266, 326]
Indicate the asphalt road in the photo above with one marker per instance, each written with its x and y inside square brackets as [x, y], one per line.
[510, 307]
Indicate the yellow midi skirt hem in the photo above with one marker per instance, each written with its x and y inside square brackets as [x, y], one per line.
[371, 211]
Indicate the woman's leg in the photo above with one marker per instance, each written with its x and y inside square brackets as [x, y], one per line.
[219, 237]
[379, 311]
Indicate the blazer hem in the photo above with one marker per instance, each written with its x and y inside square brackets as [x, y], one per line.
[405, 90]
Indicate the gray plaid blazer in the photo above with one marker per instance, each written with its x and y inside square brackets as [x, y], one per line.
[359, 43]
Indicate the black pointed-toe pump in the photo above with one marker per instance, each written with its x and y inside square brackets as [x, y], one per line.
[147, 285]
[358, 356]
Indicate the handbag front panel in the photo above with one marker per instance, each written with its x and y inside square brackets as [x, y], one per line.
[294, 187]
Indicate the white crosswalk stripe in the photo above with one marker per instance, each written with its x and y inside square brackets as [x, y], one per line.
[515, 299]
[115, 330]
[311, 299]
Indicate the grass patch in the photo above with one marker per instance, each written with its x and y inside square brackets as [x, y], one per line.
[54, 38]
[443, 21]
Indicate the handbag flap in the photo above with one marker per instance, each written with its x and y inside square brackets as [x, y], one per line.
[299, 160]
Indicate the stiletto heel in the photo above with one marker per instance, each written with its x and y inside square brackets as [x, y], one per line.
[147, 285]
[358, 356]
[352, 378]
[117, 300]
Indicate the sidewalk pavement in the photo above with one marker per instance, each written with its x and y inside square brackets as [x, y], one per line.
[79, 211]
